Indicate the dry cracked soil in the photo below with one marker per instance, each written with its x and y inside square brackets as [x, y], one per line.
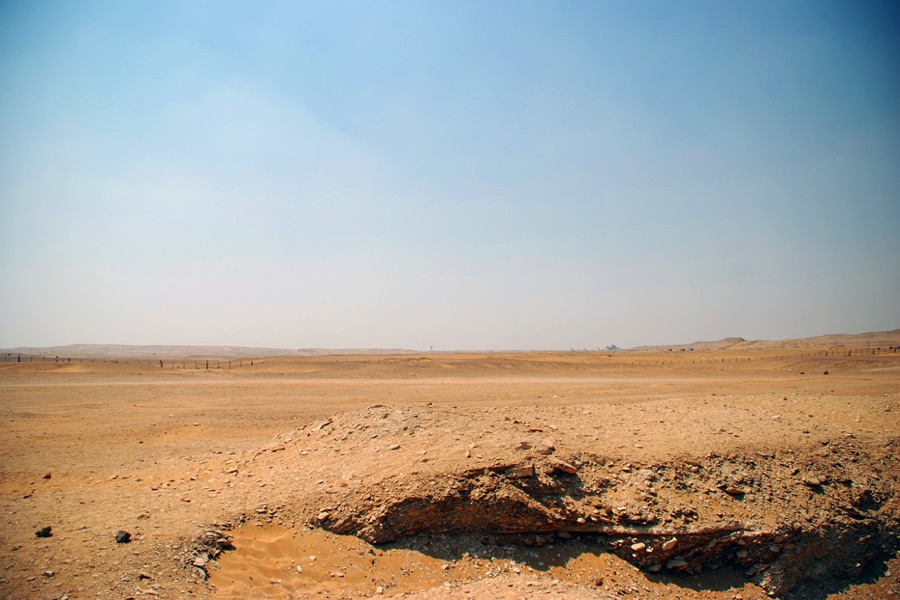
[706, 475]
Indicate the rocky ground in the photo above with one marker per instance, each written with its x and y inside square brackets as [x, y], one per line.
[721, 475]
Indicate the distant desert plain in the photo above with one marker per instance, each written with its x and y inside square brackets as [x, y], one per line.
[735, 470]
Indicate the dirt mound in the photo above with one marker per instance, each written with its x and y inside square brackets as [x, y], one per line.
[815, 510]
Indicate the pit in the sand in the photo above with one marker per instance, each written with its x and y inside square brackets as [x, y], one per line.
[276, 562]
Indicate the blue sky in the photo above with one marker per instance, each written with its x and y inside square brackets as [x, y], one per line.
[462, 175]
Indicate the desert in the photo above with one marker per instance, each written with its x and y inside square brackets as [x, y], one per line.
[730, 470]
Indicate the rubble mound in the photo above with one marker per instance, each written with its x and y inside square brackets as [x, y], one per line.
[824, 508]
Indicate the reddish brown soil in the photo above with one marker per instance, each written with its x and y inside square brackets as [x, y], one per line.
[424, 456]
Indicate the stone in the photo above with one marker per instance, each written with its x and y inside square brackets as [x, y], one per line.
[561, 465]
[669, 545]
[638, 546]
[812, 481]
[546, 447]
[521, 471]
[123, 537]
[676, 563]
[394, 447]
[43, 532]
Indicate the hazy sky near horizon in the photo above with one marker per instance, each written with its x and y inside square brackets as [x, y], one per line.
[462, 175]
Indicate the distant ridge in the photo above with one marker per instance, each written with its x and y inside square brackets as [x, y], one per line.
[128, 351]
[872, 339]
[875, 339]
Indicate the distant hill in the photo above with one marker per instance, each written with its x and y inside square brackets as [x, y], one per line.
[875, 339]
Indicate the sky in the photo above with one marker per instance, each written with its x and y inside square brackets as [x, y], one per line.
[448, 175]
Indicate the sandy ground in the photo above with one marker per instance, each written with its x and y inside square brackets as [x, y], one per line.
[275, 454]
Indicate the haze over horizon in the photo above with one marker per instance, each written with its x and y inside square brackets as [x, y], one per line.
[456, 175]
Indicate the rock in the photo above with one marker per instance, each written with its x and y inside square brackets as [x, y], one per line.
[394, 447]
[44, 532]
[676, 563]
[122, 537]
[546, 447]
[48, 476]
[144, 575]
[669, 545]
[560, 465]
[522, 471]
[524, 446]
[598, 581]
[48, 573]
[638, 546]
[812, 480]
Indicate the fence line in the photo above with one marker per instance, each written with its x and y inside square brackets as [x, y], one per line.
[213, 364]
[200, 364]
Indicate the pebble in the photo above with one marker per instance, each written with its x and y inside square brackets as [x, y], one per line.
[44, 532]
[670, 545]
[122, 537]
